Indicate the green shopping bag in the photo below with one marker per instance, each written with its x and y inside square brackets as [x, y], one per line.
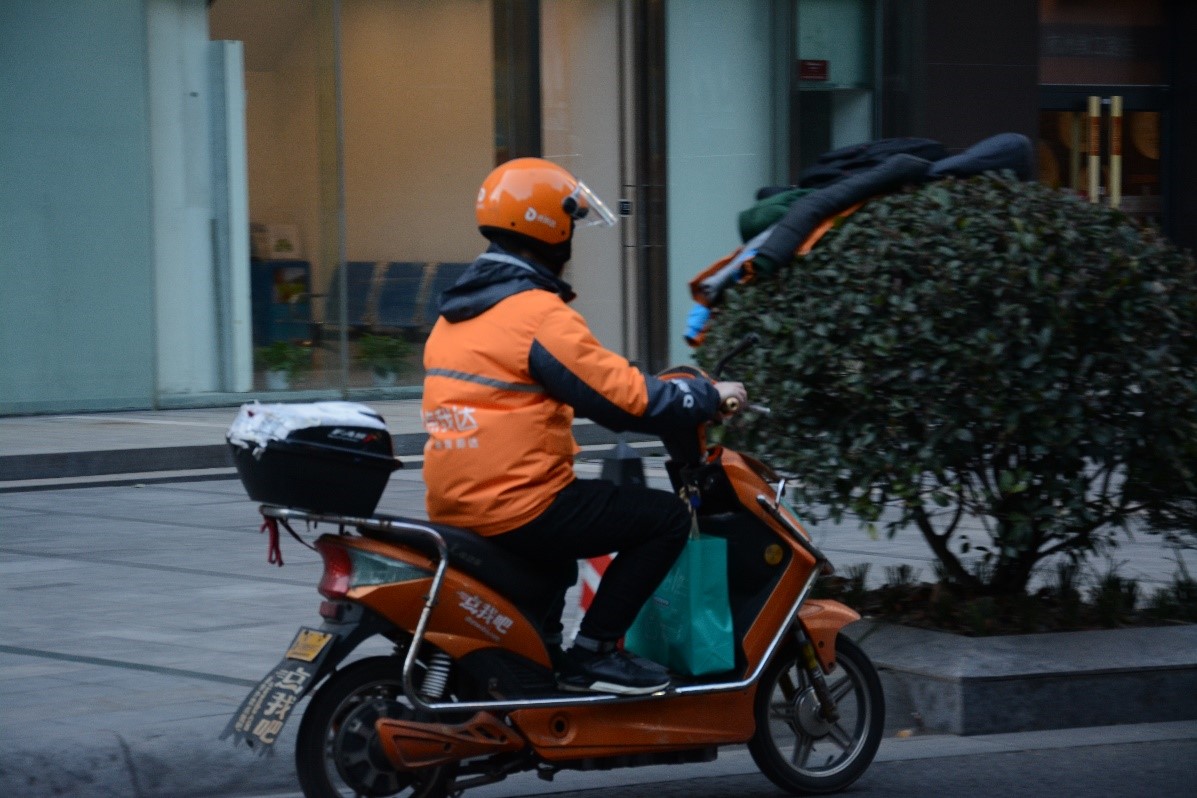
[686, 624]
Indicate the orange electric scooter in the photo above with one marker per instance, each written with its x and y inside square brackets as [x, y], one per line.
[468, 695]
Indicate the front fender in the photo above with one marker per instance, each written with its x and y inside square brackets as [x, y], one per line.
[822, 620]
[313, 655]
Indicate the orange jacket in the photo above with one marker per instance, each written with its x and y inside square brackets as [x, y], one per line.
[506, 366]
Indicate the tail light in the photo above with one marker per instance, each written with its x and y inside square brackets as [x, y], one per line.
[338, 570]
[346, 568]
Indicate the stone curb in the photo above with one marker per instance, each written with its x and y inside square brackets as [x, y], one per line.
[969, 686]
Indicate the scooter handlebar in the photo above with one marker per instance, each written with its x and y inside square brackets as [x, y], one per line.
[731, 405]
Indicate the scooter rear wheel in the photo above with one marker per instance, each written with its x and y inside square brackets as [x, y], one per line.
[337, 751]
[794, 746]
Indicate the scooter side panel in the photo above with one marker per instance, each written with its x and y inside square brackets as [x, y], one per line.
[651, 726]
[748, 485]
[773, 614]
[468, 616]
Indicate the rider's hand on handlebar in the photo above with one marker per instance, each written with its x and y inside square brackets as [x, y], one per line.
[732, 398]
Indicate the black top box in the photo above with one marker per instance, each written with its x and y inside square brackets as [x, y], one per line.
[326, 457]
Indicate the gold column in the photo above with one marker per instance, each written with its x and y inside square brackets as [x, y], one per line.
[1094, 148]
[1115, 152]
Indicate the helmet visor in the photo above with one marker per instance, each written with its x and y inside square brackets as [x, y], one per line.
[586, 209]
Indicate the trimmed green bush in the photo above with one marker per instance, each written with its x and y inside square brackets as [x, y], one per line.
[981, 348]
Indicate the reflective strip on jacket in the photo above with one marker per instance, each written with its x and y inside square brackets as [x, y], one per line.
[506, 367]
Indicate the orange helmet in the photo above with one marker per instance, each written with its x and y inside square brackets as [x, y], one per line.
[538, 199]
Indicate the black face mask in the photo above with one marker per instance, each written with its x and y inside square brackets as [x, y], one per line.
[555, 256]
[552, 256]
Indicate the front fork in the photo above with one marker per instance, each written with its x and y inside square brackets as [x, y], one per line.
[814, 671]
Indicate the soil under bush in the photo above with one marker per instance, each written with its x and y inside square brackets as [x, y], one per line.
[939, 607]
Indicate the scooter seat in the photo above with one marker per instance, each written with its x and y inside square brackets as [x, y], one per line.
[528, 585]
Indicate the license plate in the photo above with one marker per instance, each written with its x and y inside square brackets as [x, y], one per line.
[260, 718]
[309, 644]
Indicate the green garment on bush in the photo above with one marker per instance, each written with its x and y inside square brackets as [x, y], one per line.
[768, 212]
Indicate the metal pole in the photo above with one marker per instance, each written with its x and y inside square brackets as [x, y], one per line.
[1094, 148]
[1116, 152]
[342, 225]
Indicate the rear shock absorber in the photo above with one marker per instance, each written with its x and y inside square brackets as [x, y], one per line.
[436, 678]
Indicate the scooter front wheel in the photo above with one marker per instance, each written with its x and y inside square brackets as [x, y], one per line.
[794, 745]
[337, 752]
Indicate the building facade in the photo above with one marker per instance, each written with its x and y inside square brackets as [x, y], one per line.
[188, 184]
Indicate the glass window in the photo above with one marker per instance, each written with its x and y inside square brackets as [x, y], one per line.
[294, 178]
[834, 77]
[419, 134]
[369, 127]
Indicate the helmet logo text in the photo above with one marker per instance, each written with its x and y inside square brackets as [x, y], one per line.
[531, 215]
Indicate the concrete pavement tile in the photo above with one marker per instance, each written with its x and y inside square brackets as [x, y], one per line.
[21, 674]
[73, 696]
[144, 710]
[16, 568]
[40, 687]
[225, 629]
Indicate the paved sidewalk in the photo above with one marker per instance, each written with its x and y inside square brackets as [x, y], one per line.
[138, 606]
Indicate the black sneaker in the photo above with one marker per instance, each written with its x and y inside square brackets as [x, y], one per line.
[563, 664]
[610, 672]
[648, 664]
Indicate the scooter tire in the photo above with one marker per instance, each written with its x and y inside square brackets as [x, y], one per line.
[337, 752]
[797, 749]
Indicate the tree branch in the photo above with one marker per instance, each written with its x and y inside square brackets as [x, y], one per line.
[939, 546]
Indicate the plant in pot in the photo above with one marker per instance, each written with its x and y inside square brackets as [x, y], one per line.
[283, 361]
[384, 356]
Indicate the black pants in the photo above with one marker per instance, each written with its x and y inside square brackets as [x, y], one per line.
[590, 518]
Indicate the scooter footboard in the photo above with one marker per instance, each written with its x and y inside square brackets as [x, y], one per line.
[823, 619]
[671, 723]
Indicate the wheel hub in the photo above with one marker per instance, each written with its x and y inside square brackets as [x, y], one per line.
[358, 754]
[807, 715]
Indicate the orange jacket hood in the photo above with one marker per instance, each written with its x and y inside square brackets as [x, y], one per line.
[494, 276]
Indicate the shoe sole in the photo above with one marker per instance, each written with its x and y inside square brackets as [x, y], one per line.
[611, 687]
